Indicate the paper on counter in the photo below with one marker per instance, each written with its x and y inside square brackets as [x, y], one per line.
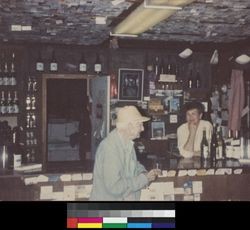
[238, 171]
[30, 180]
[191, 172]
[182, 173]
[201, 172]
[42, 178]
[76, 177]
[210, 172]
[179, 191]
[57, 196]
[87, 176]
[220, 171]
[228, 171]
[197, 187]
[69, 192]
[171, 173]
[197, 197]
[188, 197]
[151, 194]
[65, 177]
[46, 192]
[168, 188]
[80, 191]
[87, 190]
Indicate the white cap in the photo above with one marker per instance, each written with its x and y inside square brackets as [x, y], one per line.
[128, 114]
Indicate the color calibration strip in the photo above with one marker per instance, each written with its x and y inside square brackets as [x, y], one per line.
[134, 219]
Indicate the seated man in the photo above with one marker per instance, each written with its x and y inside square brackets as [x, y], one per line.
[189, 134]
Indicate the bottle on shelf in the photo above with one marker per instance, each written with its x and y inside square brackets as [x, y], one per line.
[5, 75]
[221, 144]
[190, 80]
[12, 78]
[157, 67]
[53, 66]
[17, 154]
[162, 66]
[39, 63]
[9, 104]
[98, 65]
[82, 64]
[3, 108]
[15, 103]
[1, 74]
[197, 80]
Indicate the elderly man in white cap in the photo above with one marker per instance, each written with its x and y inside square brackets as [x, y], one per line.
[117, 173]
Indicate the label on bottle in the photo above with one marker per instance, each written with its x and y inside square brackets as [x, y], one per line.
[13, 80]
[39, 66]
[53, 66]
[98, 68]
[82, 67]
[205, 151]
[17, 160]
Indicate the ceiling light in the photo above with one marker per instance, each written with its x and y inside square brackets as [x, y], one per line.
[16, 28]
[215, 58]
[152, 4]
[99, 20]
[243, 59]
[123, 35]
[186, 53]
[117, 2]
[142, 19]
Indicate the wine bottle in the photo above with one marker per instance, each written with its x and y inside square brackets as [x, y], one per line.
[82, 64]
[39, 63]
[204, 146]
[53, 63]
[221, 144]
[9, 104]
[17, 156]
[213, 146]
[12, 78]
[98, 65]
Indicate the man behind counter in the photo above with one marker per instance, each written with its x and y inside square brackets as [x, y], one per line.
[189, 134]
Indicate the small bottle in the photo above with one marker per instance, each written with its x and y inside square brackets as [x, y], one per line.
[98, 65]
[3, 104]
[82, 64]
[197, 80]
[39, 63]
[190, 80]
[5, 75]
[15, 103]
[157, 67]
[53, 63]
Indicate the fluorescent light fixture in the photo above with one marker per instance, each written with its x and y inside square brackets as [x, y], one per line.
[242, 59]
[117, 2]
[124, 35]
[142, 19]
[26, 28]
[153, 5]
[215, 58]
[100, 20]
[16, 28]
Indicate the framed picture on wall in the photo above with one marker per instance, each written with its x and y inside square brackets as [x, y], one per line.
[158, 129]
[130, 82]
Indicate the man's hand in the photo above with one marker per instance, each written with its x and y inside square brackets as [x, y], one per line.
[152, 174]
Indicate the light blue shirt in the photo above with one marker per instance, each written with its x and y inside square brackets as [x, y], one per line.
[117, 173]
